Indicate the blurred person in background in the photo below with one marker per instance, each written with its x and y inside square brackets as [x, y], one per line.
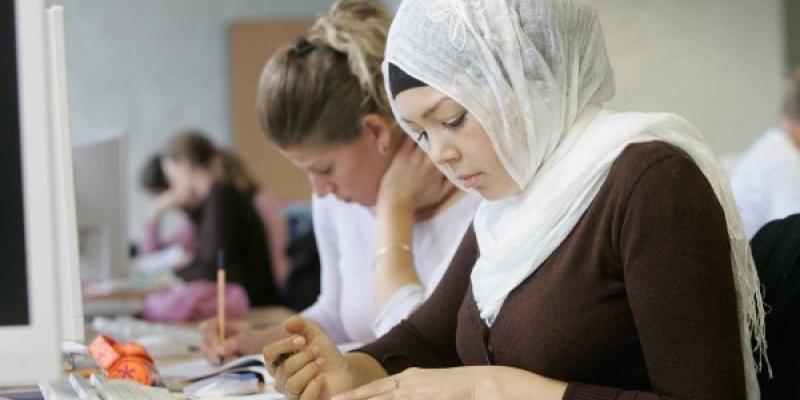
[162, 200]
[766, 179]
[227, 220]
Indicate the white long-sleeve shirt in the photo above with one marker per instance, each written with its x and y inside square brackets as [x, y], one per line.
[766, 181]
[345, 233]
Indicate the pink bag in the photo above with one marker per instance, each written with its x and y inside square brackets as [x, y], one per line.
[196, 300]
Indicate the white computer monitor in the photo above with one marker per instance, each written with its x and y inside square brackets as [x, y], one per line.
[39, 283]
[71, 307]
[100, 162]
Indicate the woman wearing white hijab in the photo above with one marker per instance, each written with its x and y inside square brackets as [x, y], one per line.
[607, 260]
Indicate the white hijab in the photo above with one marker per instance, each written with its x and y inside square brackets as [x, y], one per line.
[535, 73]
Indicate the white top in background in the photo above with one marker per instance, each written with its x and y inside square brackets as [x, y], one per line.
[766, 181]
[345, 233]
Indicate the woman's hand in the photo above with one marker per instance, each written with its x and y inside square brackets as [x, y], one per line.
[236, 334]
[412, 181]
[421, 384]
[240, 339]
[164, 202]
[307, 365]
[473, 383]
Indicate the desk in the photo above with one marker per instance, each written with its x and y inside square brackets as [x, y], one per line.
[257, 317]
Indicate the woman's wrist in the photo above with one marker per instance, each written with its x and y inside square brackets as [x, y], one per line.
[513, 383]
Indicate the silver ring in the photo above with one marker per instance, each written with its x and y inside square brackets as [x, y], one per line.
[290, 395]
[396, 384]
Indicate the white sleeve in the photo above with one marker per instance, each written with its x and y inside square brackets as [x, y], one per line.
[399, 307]
[325, 311]
[784, 190]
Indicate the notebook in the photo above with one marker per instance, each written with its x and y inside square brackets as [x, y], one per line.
[197, 369]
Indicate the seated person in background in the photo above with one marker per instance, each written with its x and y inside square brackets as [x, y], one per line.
[227, 222]
[154, 182]
[776, 251]
[766, 178]
[386, 220]
[269, 209]
[607, 260]
[230, 169]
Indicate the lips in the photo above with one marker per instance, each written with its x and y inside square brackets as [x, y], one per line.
[470, 180]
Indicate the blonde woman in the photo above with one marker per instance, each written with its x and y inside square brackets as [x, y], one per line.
[386, 220]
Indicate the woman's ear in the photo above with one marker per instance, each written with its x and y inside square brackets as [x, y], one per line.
[379, 129]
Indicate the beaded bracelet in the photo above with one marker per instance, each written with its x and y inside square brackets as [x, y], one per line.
[389, 247]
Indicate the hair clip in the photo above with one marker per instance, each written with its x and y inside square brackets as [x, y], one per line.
[302, 46]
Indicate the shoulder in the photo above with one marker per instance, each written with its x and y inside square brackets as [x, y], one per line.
[324, 204]
[637, 158]
[332, 208]
[655, 161]
[661, 181]
[772, 151]
[334, 217]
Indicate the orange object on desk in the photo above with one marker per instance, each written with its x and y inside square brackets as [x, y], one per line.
[124, 360]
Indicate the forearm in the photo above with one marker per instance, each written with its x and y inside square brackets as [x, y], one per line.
[394, 266]
[363, 368]
[506, 383]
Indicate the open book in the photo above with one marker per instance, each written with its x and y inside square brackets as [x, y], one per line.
[194, 370]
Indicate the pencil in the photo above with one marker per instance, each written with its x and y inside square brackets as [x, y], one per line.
[221, 295]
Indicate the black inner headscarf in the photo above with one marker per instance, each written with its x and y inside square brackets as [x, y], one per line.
[399, 80]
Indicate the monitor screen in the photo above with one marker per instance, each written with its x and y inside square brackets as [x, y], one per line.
[13, 266]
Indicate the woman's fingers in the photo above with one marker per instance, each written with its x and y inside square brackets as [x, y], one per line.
[299, 360]
[277, 352]
[315, 336]
[210, 354]
[302, 327]
[229, 349]
[296, 384]
[313, 389]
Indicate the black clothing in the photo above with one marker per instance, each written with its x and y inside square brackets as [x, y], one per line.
[229, 222]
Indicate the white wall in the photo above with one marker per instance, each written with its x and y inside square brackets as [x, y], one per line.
[719, 63]
[151, 67]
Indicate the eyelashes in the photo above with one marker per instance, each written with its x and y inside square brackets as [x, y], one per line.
[457, 122]
[453, 124]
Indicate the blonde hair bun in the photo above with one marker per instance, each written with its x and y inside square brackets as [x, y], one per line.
[358, 29]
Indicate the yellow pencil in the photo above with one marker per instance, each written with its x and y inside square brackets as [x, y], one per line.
[221, 295]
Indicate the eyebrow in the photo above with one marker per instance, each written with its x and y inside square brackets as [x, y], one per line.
[430, 110]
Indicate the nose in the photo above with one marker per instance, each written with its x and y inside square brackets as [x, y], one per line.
[320, 185]
[442, 151]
